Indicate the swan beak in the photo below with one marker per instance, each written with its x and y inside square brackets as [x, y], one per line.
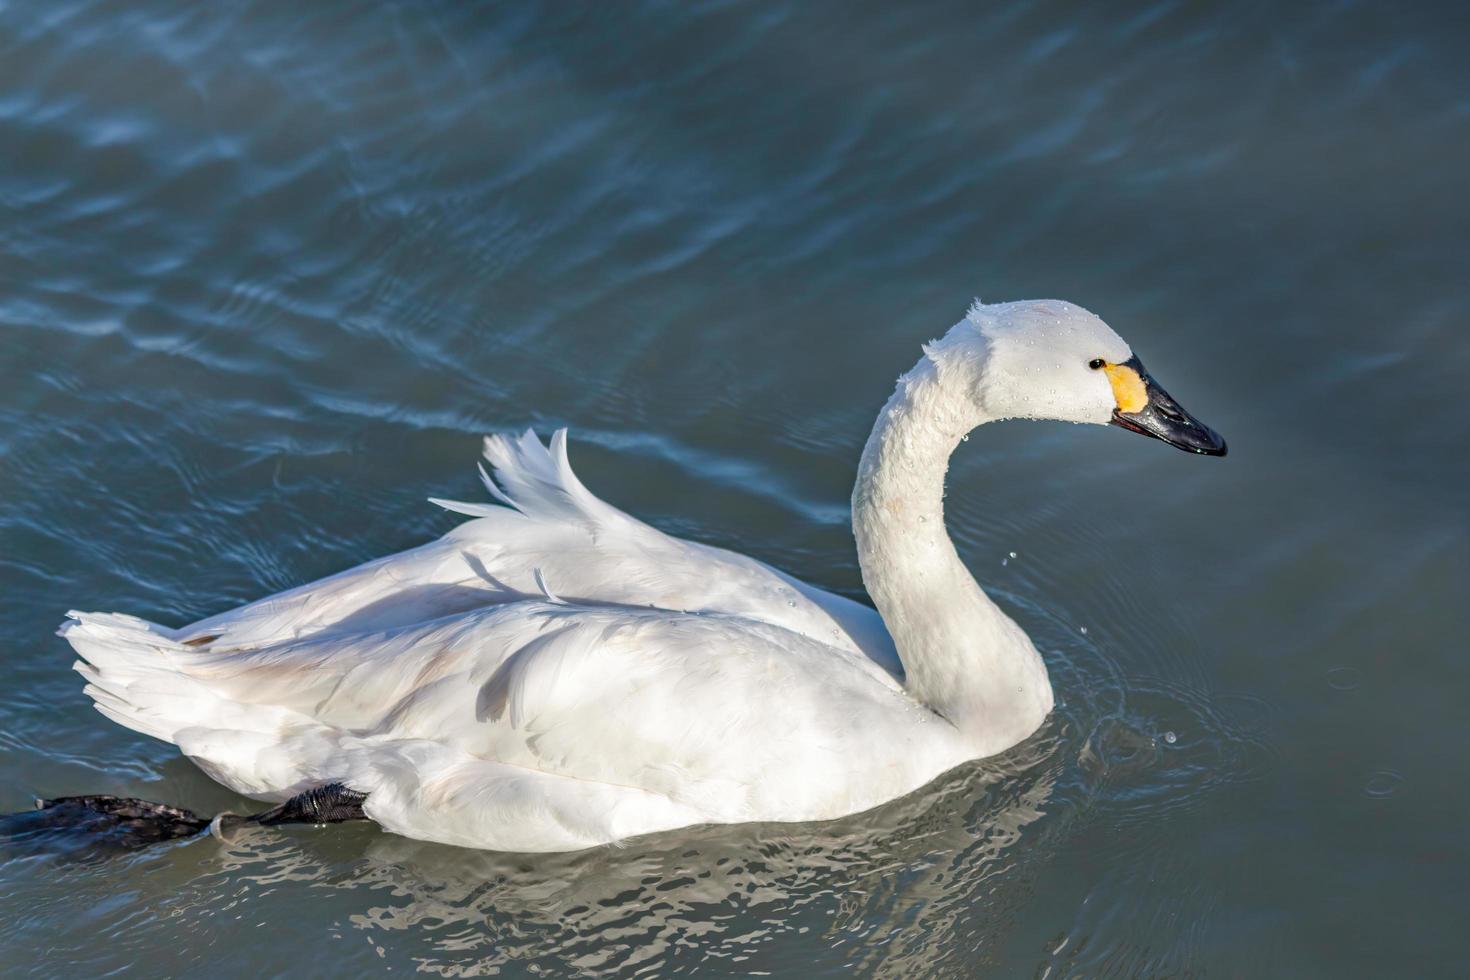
[1147, 409]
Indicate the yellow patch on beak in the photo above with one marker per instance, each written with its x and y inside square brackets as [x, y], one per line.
[1128, 389]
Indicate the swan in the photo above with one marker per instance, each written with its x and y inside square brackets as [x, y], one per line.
[556, 674]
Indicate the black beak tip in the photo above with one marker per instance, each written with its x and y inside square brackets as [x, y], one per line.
[1211, 444]
[1183, 433]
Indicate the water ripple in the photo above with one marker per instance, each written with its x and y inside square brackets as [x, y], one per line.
[268, 272]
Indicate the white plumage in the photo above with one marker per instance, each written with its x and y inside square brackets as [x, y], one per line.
[556, 674]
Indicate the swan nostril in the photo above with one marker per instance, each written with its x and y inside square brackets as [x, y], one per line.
[1170, 414]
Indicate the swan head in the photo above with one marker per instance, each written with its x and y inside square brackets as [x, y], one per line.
[1049, 359]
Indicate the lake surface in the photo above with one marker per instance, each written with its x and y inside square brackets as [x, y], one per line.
[267, 275]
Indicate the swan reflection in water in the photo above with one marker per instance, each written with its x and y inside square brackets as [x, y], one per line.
[908, 883]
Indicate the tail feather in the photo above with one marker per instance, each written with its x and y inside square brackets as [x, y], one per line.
[142, 677]
[135, 674]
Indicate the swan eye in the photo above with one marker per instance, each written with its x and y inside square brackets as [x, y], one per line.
[1096, 363]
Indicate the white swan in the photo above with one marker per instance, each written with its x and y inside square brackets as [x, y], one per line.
[557, 674]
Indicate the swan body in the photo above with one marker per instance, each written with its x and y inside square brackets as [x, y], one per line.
[555, 674]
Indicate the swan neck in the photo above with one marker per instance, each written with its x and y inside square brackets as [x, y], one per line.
[962, 656]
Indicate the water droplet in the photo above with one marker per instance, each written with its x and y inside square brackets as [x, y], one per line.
[1004, 562]
[1170, 737]
[965, 437]
[1013, 554]
[923, 519]
[1083, 630]
[1383, 784]
[1344, 678]
[791, 603]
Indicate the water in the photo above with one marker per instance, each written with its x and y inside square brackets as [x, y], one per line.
[268, 274]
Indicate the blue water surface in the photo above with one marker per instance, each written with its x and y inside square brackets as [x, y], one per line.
[269, 270]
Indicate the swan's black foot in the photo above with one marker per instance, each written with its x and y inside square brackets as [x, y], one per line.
[119, 821]
[332, 803]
